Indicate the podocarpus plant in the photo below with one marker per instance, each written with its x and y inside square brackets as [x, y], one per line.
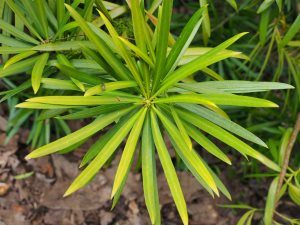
[145, 94]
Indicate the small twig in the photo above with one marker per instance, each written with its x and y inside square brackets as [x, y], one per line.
[288, 154]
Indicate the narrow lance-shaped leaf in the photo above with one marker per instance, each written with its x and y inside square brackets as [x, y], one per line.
[98, 145]
[263, 26]
[137, 51]
[163, 29]
[78, 75]
[17, 33]
[169, 170]
[184, 40]
[41, 13]
[226, 137]
[123, 52]
[236, 100]
[184, 98]
[78, 135]
[224, 123]
[37, 71]
[206, 143]
[92, 112]
[266, 4]
[106, 53]
[181, 128]
[233, 4]
[149, 173]
[128, 153]
[206, 32]
[63, 60]
[19, 12]
[291, 32]
[57, 84]
[117, 85]
[199, 63]
[88, 173]
[18, 58]
[271, 202]
[82, 100]
[190, 157]
[234, 86]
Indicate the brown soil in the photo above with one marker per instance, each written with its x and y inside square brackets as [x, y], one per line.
[38, 200]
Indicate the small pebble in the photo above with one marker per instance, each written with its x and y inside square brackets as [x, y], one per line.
[3, 189]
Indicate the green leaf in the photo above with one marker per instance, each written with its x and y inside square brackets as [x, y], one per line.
[295, 27]
[18, 58]
[101, 46]
[149, 173]
[9, 94]
[57, 84]
[263, 26]
[246, 217]
[218, 99]
[184, 40]
[37, 71]
[271, 202]
[62, 46]
[192, 53]
[137, 51]
[64, 60]
[12, 50]
[23, 176]
[206, 32]
[184, 98]
[82, 100]
[234, 86]
[128, 153]
[103, 9]
[20, 13]
[163, 29]
[233, 4]
[91, 112]
[169, 170]
[266, 4]
[89, 172]
[181, 128]
[47, 114]
[189, 156]
[41, 14]
[78, 75]
[199, 63]
[224, 123]
[206, 143]
[283, 145]
[78, 135]
[98, 145]
[123, 52]
[19, 67]
[226, 137]
[294, 193]
[13, 42]
[117, 85]
[35, 105]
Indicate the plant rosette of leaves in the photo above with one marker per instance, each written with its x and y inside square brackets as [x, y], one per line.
[144, 92]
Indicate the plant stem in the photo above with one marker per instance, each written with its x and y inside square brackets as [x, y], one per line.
[288, 154]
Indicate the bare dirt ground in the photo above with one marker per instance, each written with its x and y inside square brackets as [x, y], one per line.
[37, 200]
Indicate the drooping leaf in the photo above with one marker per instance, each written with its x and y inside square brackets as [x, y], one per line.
[78, 135]
[149, 173]
[169, 169]
[37, 71]
[88, 173]
[271, 201]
